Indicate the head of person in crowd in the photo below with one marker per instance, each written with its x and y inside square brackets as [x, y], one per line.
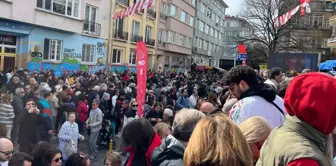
[276, 74]
[292, 73]
[228, 105]
[106, 96]
[184, 124]
[6, 150]
[16, 80]
[112, 159]
[256, 130]
[125, 104]
[3, 130]
[266, 75]
[78, 85]
[283, 88]
[185, 92]
[78, 159]
[30, 103]
[32, 81]
[163, 129]
[158, 107]
[200, 101]
[304, 138]
[103, 87]
[207, 107]
[21, 159]
[305, 71]
[65, 88]
[95, 104]
[212, 98]
[53, 157]
[28, 89]
[20, 92]
[39, 150]
[240, 79]
[222, 141]
[37, 95]
[151, 93]
[72, 117]
[6, 98]
[168, 116]
[140, 140]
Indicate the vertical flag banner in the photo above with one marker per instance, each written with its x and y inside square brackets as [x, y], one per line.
[141, 63]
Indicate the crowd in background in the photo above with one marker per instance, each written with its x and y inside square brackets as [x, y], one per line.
[242, 117]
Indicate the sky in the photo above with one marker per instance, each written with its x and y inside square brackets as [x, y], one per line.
[234, 6]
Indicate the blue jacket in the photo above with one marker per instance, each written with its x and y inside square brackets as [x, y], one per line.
[182, 102]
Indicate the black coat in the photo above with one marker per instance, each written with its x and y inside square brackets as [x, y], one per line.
[18, 107]
[169, 153]
[29, 128]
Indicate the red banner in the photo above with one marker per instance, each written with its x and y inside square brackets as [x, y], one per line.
[142, 63]
[135, 8]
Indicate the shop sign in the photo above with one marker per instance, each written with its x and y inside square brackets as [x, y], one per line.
[8, 40]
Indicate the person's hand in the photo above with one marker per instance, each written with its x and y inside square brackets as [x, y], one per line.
[153, 119]
[37, 111]
[50, 132]
[31, 109]
[81, 138]
[158, 120]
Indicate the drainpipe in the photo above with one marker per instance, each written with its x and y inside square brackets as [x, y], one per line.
[110, 34]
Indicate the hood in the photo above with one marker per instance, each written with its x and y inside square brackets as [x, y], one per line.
[311, 98]
[263, 90]
[170, 149]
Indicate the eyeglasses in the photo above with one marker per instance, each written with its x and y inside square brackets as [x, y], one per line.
[58, 159]
[135, 105]
[7, 153]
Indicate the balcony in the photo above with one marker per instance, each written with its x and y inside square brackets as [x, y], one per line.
[163, 16]
[150, 42]
[119, 34]
[136, 38]
[151, 13]
[123, 2]
[91, 28]
[161, 43]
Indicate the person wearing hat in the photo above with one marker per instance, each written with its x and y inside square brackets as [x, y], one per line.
[94, 124]
[304, 139]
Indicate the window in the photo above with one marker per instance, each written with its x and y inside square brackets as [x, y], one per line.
[193, 2]
[217, 19]
[205, 46]
[135, 28]
[148, 32]
[200, 25]
[52, 49]
[175, 62]
[182, 62]
[210, 46]
[171, 37]
[161, 38]
[228, 24]
[209, 13]
[220, 36]
[163, 7]
[172, 10]
[166, 61]
[167, 36]
[222, 23]
[88, 53]
[213, 16]
[216, 34]
[200, 43]
[202, 8]
[211, 31]
[132, 57]
[214, 48]
[183, 16]
[44, 4]
[116, 56]
[90, 19]
[206, 28]
[189, 42]
[191, 21]
[65, 7]
[182, 38]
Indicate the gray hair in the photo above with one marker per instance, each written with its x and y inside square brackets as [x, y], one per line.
[103, 87]
[18, 91]
[185, 122]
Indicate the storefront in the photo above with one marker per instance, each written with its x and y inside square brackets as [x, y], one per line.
[8, 45]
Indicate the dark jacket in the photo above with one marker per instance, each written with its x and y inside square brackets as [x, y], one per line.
[18, 107]
[169, 153]
[91, 96]
[29, 125]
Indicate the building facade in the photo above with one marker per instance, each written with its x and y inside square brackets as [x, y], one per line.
[127, 31]
[209, 32]
[175, 34]
[332, 40]
[56, 34]
[235, 29]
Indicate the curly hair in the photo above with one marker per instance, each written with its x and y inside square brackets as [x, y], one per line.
[241, 73]
[40, 149]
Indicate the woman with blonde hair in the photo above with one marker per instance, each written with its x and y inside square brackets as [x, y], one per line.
[256, 130]
[6, 112]
[217, 141]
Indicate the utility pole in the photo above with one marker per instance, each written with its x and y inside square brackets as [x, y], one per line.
[110, 34]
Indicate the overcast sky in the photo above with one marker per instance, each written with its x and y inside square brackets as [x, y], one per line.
[234, 6]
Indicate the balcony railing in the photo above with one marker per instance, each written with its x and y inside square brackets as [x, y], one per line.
[136, 38]
[163, 16]
[123, 2]
[91, 28]
[151, 13]
[161, 43]
[119, 34]
[150, 42]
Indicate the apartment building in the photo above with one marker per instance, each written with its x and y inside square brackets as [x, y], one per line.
[208, 32]
[56, 34]
[175, 34]
[127, 31]
[332, 40]
[310, 33]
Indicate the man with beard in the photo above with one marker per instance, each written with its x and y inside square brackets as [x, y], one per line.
[255, 98]
[6, 151]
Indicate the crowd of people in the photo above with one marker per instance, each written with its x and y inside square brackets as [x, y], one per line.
[242, 117]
